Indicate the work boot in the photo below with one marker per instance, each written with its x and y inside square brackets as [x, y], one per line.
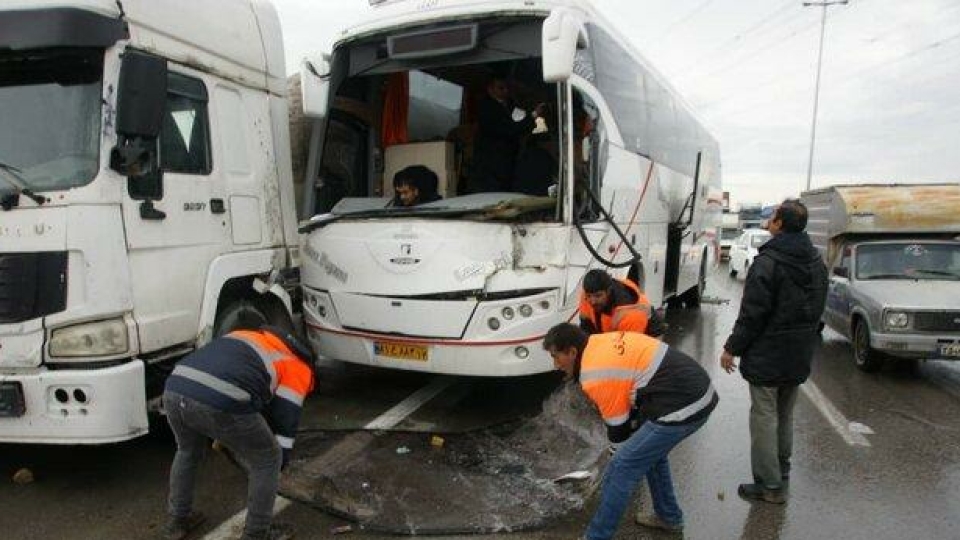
[277, 531]
[654, 521]
[179, 528]
[758, 492]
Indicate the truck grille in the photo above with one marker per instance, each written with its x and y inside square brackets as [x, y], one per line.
[943, 321]
[32, 285]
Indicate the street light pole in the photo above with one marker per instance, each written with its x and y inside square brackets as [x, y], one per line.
[816, 93]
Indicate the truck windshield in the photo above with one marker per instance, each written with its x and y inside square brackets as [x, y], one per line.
[919, 261]
[50, 106]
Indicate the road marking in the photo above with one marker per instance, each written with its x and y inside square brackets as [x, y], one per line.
[836, 419]
[233, 527]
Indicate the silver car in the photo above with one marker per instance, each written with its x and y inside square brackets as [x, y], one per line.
[897, 298]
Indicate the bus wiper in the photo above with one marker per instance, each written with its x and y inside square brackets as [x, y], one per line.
[14, 177]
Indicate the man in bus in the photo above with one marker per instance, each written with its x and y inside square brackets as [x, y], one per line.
[415, 185]
[501, 128]
[244, 390]
[635, 380]
[611, 305]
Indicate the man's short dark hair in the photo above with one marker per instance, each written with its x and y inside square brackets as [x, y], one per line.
[793, 215]
[597, 280]
[563, 336]
[417, 176]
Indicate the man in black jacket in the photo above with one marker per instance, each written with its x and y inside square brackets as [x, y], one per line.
[501, 127]
[774, 336]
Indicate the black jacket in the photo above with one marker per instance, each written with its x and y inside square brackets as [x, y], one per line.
[783, 299]
[496, 146]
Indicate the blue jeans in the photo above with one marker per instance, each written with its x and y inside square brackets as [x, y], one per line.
[246, 435]
[643, 454]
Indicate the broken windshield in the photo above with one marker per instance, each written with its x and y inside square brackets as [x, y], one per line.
[50, 105]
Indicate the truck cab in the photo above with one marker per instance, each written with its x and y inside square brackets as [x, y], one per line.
[147, 201]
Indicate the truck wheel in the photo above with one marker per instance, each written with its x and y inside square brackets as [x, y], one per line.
[239, 314]
[867, 359]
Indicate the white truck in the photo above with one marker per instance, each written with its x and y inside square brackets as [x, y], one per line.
[469, 284]
[147, 201]
[894, 257]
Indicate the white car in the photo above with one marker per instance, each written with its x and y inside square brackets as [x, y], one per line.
[745, 249]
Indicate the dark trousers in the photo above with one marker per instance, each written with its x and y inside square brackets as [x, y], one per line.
[249, 439]
[771, 433]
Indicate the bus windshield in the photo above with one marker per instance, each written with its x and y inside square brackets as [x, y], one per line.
[50, 105]
[919, 261]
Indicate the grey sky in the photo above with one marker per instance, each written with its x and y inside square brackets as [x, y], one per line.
[890, 97]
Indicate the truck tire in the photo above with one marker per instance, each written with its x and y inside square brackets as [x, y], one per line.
[867, 359]
[250, 314]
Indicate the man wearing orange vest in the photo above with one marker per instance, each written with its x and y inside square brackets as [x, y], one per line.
[610, 305]
[633, 378]
[245, 390]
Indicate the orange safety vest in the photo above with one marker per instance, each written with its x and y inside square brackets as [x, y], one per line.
[290, 377]
[625, 318]
[614, 366]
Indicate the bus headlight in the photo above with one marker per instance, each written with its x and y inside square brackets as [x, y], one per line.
[896, 319]
[101, 338]
[526, 310]
[507, 313]
[493, 323]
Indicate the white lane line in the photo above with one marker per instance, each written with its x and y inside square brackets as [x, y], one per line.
[232, 527]
[836, 419]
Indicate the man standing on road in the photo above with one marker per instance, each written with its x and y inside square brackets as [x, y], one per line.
[774, 336]
[244, 390]
[610, 305]
[635, 379]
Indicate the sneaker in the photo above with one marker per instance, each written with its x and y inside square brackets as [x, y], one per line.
[757, 492]
[179, 528]
[277, 531]
[654, 521]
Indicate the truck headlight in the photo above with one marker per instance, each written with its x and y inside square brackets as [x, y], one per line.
[896, 319]
[101, 338]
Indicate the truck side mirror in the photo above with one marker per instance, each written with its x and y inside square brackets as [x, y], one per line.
[141, 98]
[315, 85]
[563, 33]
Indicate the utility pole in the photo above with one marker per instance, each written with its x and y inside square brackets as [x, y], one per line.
[816, 93]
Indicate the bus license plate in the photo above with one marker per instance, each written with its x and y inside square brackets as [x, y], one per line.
[400, 351]
[950, 350]
[11, 400]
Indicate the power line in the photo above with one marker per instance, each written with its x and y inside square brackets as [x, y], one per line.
[738, 37]
[684, 19]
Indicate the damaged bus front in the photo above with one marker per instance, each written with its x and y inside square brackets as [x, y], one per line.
[470, 282]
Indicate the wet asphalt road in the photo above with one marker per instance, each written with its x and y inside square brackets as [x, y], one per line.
[905, 484]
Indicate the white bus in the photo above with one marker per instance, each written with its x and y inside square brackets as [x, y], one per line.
[469, 284]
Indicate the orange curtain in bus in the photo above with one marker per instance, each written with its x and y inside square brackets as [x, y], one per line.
[396, 107]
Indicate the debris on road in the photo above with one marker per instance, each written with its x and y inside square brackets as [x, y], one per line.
[487, 481]
[575, 475]
[23, 476]
[341, 529]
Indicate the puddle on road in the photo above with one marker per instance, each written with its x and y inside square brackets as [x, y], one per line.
[493, 480]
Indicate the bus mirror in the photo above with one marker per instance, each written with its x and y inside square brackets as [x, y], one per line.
[563, 33]
[141, 95]
[315, 85]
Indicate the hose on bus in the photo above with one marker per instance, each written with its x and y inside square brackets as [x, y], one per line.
[635, 256]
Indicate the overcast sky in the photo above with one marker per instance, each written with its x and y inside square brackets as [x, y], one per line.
[890, 95]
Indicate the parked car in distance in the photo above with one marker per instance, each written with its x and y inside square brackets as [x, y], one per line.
[745, 248]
